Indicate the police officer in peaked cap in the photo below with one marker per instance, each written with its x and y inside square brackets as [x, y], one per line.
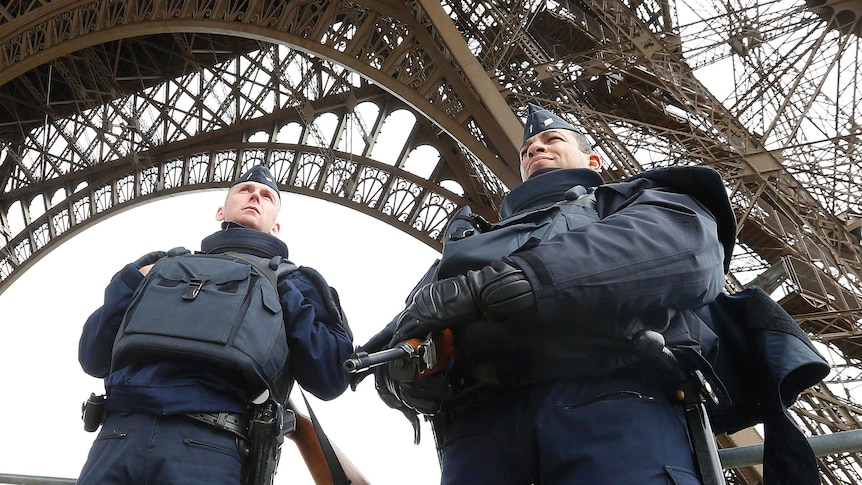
[185, 419]
[547, 386]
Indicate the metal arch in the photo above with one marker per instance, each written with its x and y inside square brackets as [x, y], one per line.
[411, 203]
[426, 79]
[403, 200]
[151, 144]
[424, 76]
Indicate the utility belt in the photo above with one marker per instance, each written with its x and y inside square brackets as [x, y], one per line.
[260, 436]
[93, 413]
[237, 424]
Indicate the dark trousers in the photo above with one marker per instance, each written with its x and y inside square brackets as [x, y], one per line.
[148, 450]
[619, 431]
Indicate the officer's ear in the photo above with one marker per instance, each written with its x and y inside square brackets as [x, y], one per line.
[220, 214]
[276, 228]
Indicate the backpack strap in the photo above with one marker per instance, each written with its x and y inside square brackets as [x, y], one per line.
[330, 297]
[274, 269]
[281, 384]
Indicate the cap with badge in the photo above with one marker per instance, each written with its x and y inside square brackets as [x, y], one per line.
[539, 119]
[261, 175]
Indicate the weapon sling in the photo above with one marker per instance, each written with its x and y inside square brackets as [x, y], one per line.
[338, 475]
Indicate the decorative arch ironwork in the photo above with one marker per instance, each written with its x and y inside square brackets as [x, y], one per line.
[390, 194]
[392, 49]
[116, 155]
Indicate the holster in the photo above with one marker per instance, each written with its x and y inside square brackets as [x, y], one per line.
[270, 421]
[93, 412]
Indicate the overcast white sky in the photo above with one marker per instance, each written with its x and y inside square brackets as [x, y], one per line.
[372, 265]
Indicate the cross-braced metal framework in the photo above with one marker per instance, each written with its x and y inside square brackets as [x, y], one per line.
[104, 105]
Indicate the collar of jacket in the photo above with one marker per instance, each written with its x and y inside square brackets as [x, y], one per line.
[234, 237]
[547, 187]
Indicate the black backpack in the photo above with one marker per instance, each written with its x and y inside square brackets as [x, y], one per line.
[222, 309]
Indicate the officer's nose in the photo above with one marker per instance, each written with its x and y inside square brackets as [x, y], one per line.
[536, 148]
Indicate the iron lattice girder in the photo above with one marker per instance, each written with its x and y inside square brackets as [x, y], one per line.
[418, 206]
[33, 41]
[643, 64]
[381, 41]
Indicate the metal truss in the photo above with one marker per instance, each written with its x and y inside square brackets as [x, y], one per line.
[104, 105]
[318, 138]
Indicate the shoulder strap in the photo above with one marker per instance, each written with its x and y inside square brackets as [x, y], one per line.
[281, 266]
[339, 477]
[587, 200]
[281, 384]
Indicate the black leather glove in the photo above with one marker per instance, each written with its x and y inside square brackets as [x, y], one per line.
[495, 292]
[413, 398]
[149, 258]
[424, 396]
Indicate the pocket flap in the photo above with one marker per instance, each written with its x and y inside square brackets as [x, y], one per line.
[219, 271]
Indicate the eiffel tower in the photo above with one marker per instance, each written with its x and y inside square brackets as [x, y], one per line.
[105, 105]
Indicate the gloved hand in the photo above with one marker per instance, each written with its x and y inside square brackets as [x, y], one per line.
[400, 396]
[424, 396]
[149, 258]
[494, 292]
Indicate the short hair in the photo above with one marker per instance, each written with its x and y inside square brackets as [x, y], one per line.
[584, 144]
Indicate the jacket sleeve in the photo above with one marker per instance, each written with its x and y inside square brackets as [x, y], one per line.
[651, 250]
[319, 344]
[100, 329]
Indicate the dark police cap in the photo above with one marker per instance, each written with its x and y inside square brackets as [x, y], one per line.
[261, 175]
[539, 120]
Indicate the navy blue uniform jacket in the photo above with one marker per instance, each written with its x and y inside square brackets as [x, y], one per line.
[318, 347]
[653, 249]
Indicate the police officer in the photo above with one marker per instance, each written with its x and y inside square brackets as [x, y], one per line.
[548, 386]
[178, 421]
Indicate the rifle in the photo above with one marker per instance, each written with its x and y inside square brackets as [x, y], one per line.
[410, 359]
[307, 442]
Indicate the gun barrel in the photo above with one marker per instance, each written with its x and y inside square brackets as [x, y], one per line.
[361, 360]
